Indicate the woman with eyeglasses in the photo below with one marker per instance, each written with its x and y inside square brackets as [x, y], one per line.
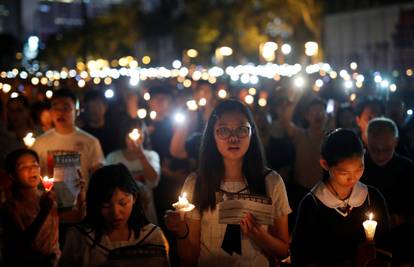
[232, 165]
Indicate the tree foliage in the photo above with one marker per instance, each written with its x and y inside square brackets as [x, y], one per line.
[202, 24]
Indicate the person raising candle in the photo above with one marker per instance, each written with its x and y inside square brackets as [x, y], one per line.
[141, 161]
[29, 217]
[231, 162]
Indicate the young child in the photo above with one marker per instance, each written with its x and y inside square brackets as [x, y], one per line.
[231, 163]
[30, 215]
[329, 228]
[143, 163]
[115, 231]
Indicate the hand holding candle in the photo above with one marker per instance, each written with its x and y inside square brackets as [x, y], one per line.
[47, 183]
[369, 226]
[29, 140]
[183, 205]
[134, 135]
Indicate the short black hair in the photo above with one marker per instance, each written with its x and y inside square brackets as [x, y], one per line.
[93, 94]
[64, 93]
[160, 89]
[381, 125]
[340, 144]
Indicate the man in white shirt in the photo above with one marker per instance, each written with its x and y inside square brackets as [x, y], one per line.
[66, 150]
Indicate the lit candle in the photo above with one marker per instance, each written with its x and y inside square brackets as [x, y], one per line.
[369, 226]
[183, 205]
[134, 135]
[47, 183]
[29, 140]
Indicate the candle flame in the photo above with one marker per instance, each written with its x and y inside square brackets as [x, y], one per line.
[29, 139]
[370, 216]
[134, 135]
[183, 200]
[183, 204]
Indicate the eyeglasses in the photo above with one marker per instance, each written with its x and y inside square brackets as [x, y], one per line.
[239, 132]
[25, 168]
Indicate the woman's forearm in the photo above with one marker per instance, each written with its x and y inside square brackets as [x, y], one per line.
[151, 176]
[272, 246]
[189, 246]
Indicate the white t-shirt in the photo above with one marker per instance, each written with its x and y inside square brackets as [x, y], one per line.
[212, 233]
[136, 169]
[79, 250]
[78, 143]
[135, 166]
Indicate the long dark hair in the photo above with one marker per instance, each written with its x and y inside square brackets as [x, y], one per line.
[211, 166]
[338, 145]
[102, 186]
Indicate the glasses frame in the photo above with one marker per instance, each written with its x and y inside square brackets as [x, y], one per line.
[233, 132]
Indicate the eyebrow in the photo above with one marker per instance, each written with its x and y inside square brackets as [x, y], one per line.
[240, 124]
[22, 163]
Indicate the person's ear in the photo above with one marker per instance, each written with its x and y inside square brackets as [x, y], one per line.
[324, 164]
[396, 140]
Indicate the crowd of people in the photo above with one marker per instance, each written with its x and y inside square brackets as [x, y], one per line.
[319, 169]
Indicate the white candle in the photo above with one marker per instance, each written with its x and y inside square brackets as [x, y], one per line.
[183, 205]
[48, 183]
[134, 135]
[369, 226]
[29, 140]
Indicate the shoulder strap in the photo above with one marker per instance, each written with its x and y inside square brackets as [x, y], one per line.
[268, 171]
[147, 235]
[83, 231]
[314, 199]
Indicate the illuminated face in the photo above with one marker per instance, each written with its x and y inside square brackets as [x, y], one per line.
[28, 171]
[45, 119]
[381, 147]
[232, 134]
[117, 210]
[347, 172]
[63, 113]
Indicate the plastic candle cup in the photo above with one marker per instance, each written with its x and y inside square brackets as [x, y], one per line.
[183, 205]
[134, 135]
[29, 140]
[369, 226]
[47, 183]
